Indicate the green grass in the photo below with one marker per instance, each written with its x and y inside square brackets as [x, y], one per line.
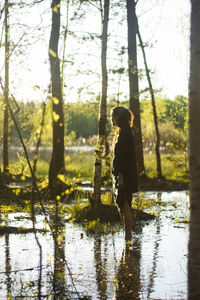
[79, 166]
[174, 166]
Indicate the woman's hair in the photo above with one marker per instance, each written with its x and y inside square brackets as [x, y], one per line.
[123, 115]
[124, 119]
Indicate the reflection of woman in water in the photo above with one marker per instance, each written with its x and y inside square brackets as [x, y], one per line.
[127, 283]
[124, 166]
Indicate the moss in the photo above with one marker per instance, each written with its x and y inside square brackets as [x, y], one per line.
[103, 213]
[17, 230]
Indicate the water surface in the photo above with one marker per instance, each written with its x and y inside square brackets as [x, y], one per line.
[99, 266]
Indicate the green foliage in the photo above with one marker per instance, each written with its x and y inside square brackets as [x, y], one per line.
[80, 165]
[94, 220]
[106, 198]
[141, 203]
[75, 210]
[81, 118]
[24, 118]
[174, 166]
[95, 226]
[172, 121]
[81, 122]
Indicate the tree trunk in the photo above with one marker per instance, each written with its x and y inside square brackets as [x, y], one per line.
[57, 160]
[6, 94]
[133, 82]
[103, 108]
[194, 142]
[157, 148]
[64, 46]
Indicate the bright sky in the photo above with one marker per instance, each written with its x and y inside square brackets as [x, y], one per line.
[163, 23]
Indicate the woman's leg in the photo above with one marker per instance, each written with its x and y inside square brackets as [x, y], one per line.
[127, 220]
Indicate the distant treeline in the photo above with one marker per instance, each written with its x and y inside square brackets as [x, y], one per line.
[81, 122]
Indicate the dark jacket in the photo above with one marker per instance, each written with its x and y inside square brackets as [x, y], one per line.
[125, 160]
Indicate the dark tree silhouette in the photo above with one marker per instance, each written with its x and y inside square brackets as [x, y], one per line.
[102, 134]
[157, 147]
[6, 94]
[57, 160]
[194, 142]
[133, 81]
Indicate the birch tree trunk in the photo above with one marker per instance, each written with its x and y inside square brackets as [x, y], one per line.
[57, 160]
[103, 108]
[194, 156]
[133, 82]
[6, 94]
[157, 147]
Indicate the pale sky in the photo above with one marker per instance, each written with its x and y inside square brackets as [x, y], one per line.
[163, 23]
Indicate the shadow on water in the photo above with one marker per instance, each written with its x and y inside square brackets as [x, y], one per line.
[77, 266]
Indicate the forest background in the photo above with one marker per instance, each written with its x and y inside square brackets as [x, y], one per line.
[29, 31]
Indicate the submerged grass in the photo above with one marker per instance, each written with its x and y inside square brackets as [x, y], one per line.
[100, 219]
[104, 218]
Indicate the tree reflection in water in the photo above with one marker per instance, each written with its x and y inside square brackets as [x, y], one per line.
[8, 266]
[101, 268]
[59, 275]
[127, 282]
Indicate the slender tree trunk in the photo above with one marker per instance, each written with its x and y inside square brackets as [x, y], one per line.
[194, 142]
[133, 82]
[157, 147]
[57, 160]
[64, 47]
[103, 108]
[6, 95]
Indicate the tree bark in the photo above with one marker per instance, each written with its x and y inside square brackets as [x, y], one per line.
[157, 147]
[6, 94]
[133, 82]
[103, 108]
[57, 160]
[194, 155]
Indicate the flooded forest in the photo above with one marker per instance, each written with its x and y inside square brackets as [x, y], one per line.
[64, 67]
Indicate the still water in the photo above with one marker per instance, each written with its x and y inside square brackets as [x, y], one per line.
[100, 266]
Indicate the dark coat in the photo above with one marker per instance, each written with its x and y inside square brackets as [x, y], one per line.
[125, 160]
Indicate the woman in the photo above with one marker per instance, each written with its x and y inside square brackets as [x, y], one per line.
[124, 166]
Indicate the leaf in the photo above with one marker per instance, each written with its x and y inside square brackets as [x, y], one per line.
[59, 239]
[35, 87]
[56, 8]
[52, 53]
[56, 117]
[61, 177]
[55, 100]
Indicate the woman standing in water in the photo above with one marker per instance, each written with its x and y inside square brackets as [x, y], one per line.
[124, 166]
